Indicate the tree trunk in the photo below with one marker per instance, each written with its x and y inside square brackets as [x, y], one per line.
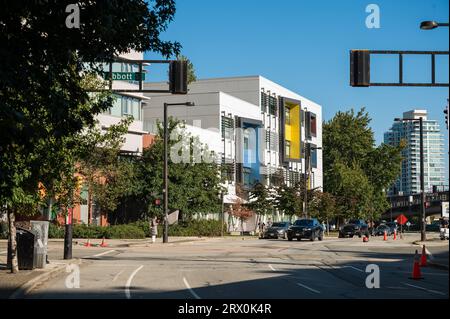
[12, 243]
[89, 202]
[328, 228]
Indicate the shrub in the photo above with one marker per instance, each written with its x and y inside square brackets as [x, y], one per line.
[144, 226]
[206, 228]
[85, 231]
[124, 232]
[55, 231]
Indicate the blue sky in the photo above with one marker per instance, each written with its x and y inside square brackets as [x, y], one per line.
[304, 45]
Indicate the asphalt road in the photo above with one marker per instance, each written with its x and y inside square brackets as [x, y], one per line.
[250, 268]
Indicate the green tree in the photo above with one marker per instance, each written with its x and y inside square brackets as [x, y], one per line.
[191, 70]
[323, 206]
[356, 172]
[194, 175]
[260, 200]
[107, 175]
[290, 199]
[42, 95]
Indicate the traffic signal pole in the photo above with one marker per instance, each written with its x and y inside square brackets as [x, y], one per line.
[423, 234]
[360, 68]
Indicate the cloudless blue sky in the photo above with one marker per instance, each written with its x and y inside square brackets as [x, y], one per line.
[304, 45]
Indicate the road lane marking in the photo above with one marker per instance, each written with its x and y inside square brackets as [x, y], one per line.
[357, 269]
[425, 289]
[118, 274]
[3, 252]
[100, 254]
[130, 279]
[104, 253]
[190, 289]
[299, 284]
[309, 288]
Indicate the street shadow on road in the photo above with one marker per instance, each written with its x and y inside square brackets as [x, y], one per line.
[238, 277]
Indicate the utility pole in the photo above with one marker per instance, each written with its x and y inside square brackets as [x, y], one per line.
[422, 218]
[68, 234]
[308, 149]
[166, 170]
[165, 177]
[307, 164]
[423, 235]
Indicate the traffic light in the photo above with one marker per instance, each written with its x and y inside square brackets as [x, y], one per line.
[359, 68]
[178, 71]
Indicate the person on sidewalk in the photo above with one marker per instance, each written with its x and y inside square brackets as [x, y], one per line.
[154, 229]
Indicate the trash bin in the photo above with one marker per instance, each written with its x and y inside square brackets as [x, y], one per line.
[26, 241]
[40, 229]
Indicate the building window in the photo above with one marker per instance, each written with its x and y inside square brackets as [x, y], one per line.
[287, 149]
[313, 124]
[314, 158]
[272, 105]
[287, 116]
[227, 127]
[263, 102]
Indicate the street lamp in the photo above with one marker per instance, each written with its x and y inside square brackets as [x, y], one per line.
[423, 236]
[430, 25]
[308, 150]
[166, 169]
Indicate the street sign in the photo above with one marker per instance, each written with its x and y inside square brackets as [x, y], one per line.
[408, 224]
[125, 76]
[402, 219]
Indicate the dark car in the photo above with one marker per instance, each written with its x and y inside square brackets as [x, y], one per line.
[393, 226]
[379, 231]
[277, 230]
[305, 228]
[433, 227]
[355, 227]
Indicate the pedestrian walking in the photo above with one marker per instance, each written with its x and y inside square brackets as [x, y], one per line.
[261, 227]
[154, 229]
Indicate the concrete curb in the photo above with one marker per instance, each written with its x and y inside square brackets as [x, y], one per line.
[434, 243]
[23, 290]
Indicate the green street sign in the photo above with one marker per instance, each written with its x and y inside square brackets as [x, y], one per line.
[125, 76]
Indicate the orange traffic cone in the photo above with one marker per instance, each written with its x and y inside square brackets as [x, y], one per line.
[416, 274]
[395, 234]
[385, 236]
[423, 258]
[88, 243]
[103, 244]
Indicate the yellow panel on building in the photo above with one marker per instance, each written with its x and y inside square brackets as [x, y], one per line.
[292, 129]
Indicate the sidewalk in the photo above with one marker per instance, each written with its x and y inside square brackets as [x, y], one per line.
[17, 285]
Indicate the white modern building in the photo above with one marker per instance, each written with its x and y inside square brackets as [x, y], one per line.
[408, 182]
[258, 128]
[127, 104]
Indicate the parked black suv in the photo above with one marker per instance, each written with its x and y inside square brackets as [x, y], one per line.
[305, 228]
[355, 227]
